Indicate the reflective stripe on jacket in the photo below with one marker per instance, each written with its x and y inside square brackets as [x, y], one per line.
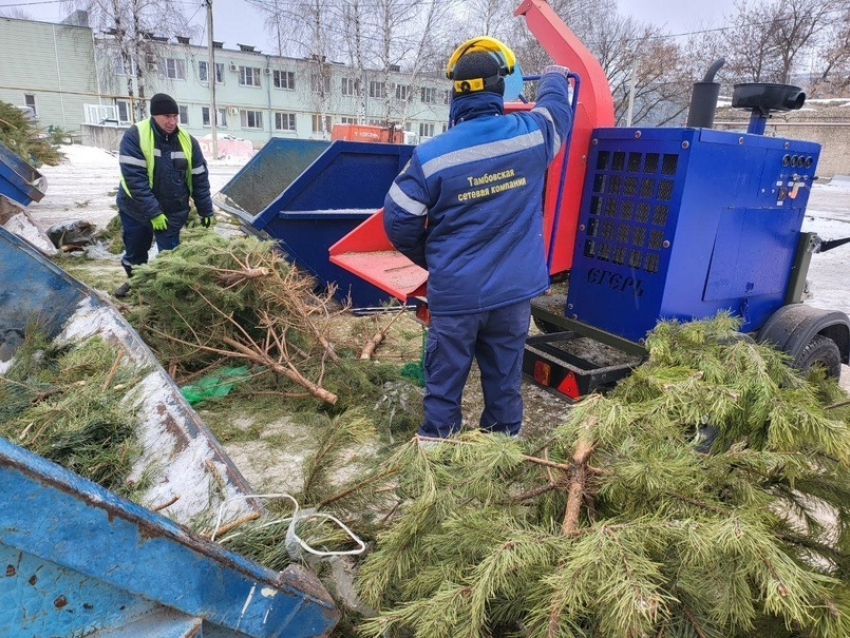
[161, 173]
[469, 205]
[146, 144]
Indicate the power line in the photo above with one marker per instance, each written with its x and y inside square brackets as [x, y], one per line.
[30, 4]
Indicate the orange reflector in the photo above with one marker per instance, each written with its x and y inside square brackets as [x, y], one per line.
[423, 313]
[542, 373]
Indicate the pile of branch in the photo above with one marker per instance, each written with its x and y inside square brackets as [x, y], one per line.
[624, 522]
[65, 404]
[215, 299]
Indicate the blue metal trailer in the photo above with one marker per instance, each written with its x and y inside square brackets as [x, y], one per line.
[78, 561]
[19, 182]
[323, 191]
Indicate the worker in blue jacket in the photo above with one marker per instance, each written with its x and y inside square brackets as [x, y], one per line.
[162, 166]
[469, 209]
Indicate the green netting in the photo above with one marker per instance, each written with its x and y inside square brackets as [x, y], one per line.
[416, 371]
[218, 384]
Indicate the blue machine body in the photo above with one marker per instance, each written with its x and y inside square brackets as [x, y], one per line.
[19, 181]
[681, 223]
[344, 183]
[77, 560]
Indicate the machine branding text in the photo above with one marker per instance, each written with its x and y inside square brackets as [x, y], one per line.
[615, 281]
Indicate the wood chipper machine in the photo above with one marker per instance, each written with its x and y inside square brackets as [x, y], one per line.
[654, 223]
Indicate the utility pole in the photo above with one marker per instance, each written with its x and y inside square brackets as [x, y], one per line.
[212, 76]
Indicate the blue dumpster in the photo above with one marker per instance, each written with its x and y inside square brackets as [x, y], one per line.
[19, 181]
[343, 184]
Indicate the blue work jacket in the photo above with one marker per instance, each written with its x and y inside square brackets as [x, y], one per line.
[169, 193]
[469, 205]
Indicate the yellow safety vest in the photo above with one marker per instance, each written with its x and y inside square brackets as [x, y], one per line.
[146, 144]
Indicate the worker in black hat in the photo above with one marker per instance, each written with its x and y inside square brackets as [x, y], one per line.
[162, 166]
[469, 209]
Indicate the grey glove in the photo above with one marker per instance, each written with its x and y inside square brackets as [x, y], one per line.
[556, 68]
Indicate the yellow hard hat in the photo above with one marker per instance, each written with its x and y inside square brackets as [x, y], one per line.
[485, 44]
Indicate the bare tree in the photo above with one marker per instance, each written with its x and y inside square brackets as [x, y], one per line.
[132, 26]
[375, 38]
[16, 13]
[768, 40]
[832, 57]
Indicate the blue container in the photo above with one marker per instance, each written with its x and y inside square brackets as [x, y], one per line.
[19, 181]
[78, 559]
[345, 183]
[683, 223]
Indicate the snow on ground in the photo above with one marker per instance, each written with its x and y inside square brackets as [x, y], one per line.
[828, 215]
[85, 184]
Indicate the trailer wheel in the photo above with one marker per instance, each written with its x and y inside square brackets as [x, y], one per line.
[820, 351]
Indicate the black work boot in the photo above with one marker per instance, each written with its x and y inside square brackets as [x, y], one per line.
[123, 290]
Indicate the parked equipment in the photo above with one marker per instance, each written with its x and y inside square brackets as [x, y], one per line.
[367, 133]
[20, 183]
[306, 195]
[80, 561]
[649, 224]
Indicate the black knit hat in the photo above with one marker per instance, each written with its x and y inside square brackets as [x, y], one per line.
[162, 104]
[474, 66]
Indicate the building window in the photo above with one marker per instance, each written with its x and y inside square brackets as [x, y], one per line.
[284, 79]
[377, 89]
[284, 121]
[221, 120]
[173, 69]
[350, 86]
[249, 76]
[426, 129]
[123, 108]
[347, 120]
[317, 123]
[252, 119]
[319, 85]
[204, 72]
[446, 97]
[402, 92]
[445, 127]
[124, 67]
[429, 95]
[183, 114]
[29, 101]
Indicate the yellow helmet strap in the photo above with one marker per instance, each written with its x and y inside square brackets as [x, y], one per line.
[476, 84]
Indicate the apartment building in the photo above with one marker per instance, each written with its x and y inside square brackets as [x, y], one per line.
[78, 80]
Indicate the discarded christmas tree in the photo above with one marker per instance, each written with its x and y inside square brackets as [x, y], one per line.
[618, 525]
[214, 300]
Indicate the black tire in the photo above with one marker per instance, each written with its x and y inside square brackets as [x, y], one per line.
[545, 327]
[820, 351]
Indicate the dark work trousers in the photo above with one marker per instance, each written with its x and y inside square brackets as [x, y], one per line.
[139, 236]
[496, 339]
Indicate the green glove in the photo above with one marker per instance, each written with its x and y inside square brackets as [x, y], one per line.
[160, 222]
[206, 221]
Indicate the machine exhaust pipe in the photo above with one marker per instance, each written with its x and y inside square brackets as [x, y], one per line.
[704, 98]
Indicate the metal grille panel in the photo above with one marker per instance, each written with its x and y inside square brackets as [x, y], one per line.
[635, 189]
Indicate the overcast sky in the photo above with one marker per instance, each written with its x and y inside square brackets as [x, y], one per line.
[236, 21]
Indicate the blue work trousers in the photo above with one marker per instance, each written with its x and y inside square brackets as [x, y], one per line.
[139, 236]
[496, 339]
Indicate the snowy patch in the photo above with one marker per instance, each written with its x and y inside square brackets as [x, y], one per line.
[187, 470]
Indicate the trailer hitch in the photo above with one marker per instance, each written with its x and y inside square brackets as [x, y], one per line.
[822, 246]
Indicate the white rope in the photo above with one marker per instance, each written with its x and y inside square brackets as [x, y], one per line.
[295, 545]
